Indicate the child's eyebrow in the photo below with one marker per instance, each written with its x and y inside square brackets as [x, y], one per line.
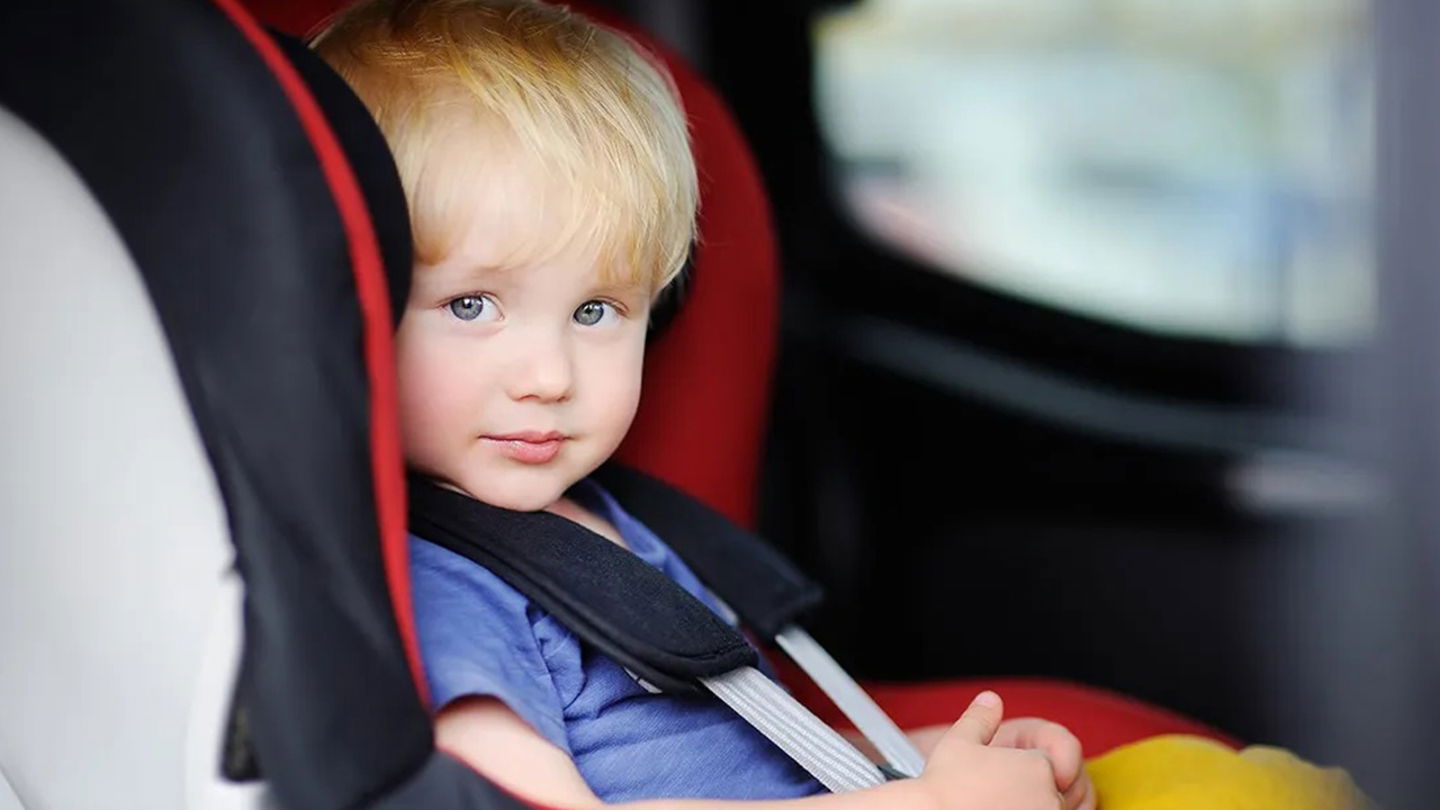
[475, 270]
[464, 273]
[619, 288]
[456, 279]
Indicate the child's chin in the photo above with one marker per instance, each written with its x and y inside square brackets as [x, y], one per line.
[528, 499]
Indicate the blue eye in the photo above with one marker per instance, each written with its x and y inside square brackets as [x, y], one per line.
[472, 308]
[592, 313]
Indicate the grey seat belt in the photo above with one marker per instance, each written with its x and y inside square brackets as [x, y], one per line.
[863, 711]
[816, 747]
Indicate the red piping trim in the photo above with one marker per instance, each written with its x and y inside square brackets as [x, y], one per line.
[387, 467]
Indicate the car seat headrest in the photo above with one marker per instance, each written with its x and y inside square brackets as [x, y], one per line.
[369, 156]
[671, 299]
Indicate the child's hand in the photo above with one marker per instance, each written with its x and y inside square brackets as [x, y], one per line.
[965, 772]
[1059, 746]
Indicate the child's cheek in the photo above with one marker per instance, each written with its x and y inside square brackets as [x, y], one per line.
[429, 393]
[621, 380]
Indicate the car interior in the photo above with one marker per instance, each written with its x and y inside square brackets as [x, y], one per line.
[1043, 402]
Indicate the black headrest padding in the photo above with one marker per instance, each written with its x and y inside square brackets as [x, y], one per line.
[370, 157]
[671, 299]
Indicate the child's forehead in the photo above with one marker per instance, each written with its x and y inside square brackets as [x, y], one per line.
[499, 245]
[485, 199]
[509, 234]
[493, 254]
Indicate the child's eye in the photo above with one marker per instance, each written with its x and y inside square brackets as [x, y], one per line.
[473, 308]
[593, 313]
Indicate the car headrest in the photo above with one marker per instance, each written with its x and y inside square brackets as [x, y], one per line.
[369, 157]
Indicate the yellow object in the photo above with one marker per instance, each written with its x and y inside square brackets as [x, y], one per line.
[1178, 772]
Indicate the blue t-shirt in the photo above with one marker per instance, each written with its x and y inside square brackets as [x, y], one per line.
[480, 637]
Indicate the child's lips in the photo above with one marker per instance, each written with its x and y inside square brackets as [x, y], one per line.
[528, 446]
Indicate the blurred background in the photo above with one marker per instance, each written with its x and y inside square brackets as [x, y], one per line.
[1193, 169]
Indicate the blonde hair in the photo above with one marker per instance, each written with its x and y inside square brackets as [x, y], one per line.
[466, 90]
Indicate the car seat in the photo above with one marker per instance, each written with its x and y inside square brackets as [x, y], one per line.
[199, 435]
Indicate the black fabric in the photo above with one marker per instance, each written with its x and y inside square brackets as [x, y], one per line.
[369, 156]
[444, 784]
[668, 303]
[765, 589]
[609, 597]
[238, 762]
[187, 141]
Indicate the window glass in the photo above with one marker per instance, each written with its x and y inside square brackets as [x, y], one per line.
[1188, 168]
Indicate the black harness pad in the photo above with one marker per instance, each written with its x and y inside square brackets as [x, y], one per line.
[762, 586]
[614, 600]
[604, 594]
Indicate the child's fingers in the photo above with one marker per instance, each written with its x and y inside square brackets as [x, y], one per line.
[981, 719]
[1080, 796]
[1063, 749]
[1058, 744]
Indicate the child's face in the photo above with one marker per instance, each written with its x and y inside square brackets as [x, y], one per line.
[516, 382]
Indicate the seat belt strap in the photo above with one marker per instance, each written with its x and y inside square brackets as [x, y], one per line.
[638, 616]
[854, 703]
[816, 747]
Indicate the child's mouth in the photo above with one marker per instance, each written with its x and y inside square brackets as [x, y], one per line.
[528, 447]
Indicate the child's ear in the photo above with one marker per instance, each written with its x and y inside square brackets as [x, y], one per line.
[671, 298]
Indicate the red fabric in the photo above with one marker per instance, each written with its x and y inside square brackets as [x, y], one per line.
[295, 17]
[1100, 718]
[387, 468]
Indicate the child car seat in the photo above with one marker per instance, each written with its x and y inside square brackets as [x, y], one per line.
[198, 385]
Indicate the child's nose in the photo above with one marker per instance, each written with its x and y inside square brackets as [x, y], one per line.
[545, 373]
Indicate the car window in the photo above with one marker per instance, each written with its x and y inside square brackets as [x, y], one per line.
[1196, 169]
